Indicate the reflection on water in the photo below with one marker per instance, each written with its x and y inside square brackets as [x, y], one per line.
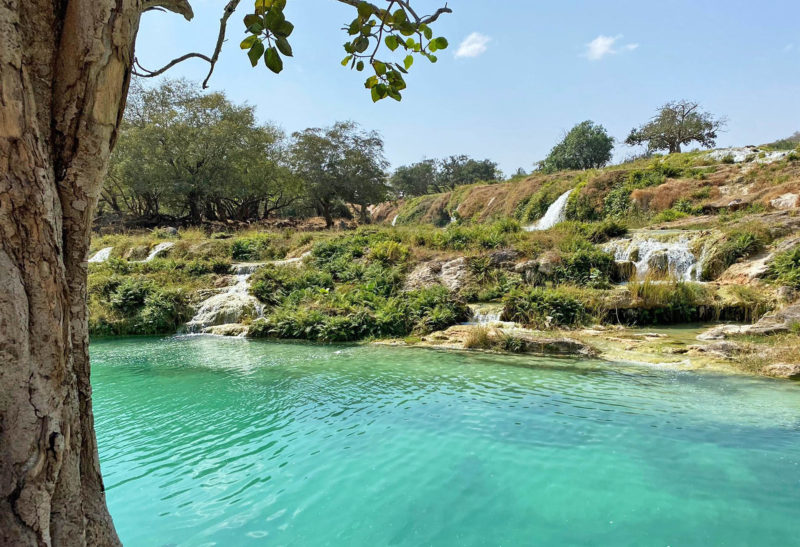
[211, 441]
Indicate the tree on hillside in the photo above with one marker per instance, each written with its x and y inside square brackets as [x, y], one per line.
[586, 146]
[415, 179]
[65, 68]
[677, 123]
[433, 176]
[341, 163]
[457, 170]
[196, 156]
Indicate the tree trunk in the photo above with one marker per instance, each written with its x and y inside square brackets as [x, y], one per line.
[64, 74]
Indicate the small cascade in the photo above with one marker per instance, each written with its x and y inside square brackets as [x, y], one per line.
[229, 306]
[158, 249]
[660, 254]
[485, 315]
[394, 220]
[554, 214]
[102, 255]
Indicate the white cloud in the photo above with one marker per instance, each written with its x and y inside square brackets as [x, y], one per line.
[606, 45]
[473, 45]
[789, 47]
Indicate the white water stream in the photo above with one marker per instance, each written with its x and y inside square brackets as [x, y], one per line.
[555, 214]
[660, 253]
[158, 249]
[102, 255]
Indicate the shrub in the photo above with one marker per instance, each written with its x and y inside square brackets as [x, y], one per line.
[739, 243]
[389, 252]
[668, 215]
[542, 308]
[164, 311]
[670, 302]
[588, 266]
[130, 295]
[478, 338]
[258, 247]
[601, 232]
[785, 268]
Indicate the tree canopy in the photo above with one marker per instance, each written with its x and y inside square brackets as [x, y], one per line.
[430, 176]
[677, 123]
[586, 146]
[341, 163]
[182, 153]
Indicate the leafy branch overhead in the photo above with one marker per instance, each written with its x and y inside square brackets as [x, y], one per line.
[398, 27]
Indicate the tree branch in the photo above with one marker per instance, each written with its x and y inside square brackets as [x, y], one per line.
[428, 19]
[175, 5]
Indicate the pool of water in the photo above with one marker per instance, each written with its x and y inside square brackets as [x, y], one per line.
[212, 441]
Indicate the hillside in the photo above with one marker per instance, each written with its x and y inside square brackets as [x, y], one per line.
[570, 263]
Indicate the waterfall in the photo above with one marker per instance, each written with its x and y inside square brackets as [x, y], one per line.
[234, 303]
[662, 253]
[485, 315]
[158, 249]
[555, 214]
[229, 306]
[102, 255]
[394, 220]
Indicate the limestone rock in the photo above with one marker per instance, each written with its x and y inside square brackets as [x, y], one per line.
[548, 262]
[425, 274]
[783, 370]
[454, 273]
[624, 270]
[772, 323]
[504, 258]
[785, 201]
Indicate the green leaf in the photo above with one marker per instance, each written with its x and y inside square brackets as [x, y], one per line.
[391, 42]
[284, 29]
[380, 68]
[251, 19]
[364, 10]
[426, 31]
[347, 60]
[371, 82]
[248, 42]
[273, 60]
[274, 19]
[361, 44]
[255, 53]
[408, 61]
[284, 46]
[399, 17]
[441, 42]
[354, 28]
[360, 66]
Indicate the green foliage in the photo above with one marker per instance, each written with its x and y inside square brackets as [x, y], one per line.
[670, 302]
[271, 284]
[739, 243]
[258, 247]
[590, 267]
[668, 215]
[130, 294]
[785, 268]
[677, 123]
[373, 27]
[542, 308]
[586, 146]
[389, 252]
[433, 176]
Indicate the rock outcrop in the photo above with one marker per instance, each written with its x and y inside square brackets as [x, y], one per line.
[772, 323]
[453, 274]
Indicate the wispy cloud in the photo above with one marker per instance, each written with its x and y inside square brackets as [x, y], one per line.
[473, 45]
[789, 47]
[603, 46]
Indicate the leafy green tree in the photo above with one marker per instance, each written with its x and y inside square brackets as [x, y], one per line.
[341, 163]
[184, 153]
[457, 170]
[677, 123]
[414, 180]
[586, 146]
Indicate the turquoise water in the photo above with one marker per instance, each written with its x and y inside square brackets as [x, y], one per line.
[211, 441]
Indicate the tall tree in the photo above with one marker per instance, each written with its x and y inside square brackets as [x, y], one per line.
[586, 146]
[340, 163]
[677, 123]
[414, 180]
[457, 170]
[196, 155]
[65, 67]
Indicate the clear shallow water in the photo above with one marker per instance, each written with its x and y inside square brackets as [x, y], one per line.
[211, 441]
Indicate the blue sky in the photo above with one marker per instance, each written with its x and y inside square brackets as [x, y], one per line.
[530, 71]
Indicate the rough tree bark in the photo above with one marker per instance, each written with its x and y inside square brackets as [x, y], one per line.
[64, 73]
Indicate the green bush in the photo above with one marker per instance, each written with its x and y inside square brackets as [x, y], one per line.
[258, 247]
[785, 269]
[739, 243]
[164, 312]
[130, 295]
[389, 252]
[542, 308]
[590, 267]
